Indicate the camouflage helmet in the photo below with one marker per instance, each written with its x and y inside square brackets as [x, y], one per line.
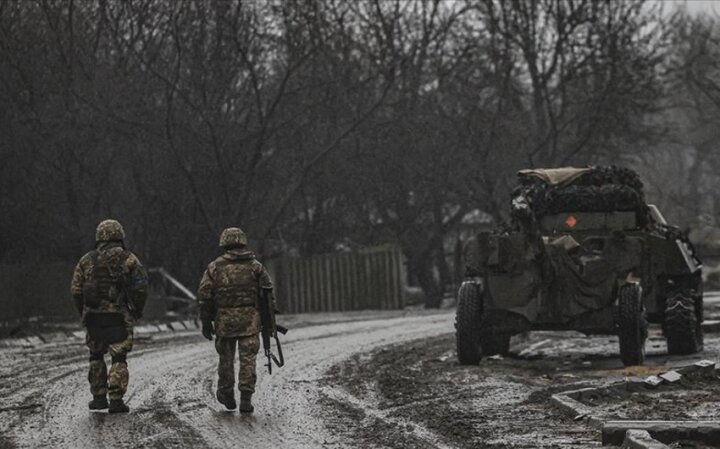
[109, 230]
[232, 237]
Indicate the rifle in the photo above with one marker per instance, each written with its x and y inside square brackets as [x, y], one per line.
[269, 329]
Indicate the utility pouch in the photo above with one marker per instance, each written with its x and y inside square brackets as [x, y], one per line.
[91, 296]
[105, 284]
[106, 327]
[91, 287]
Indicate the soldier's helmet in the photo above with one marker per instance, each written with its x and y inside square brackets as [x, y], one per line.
[232, 237]
[109, 230]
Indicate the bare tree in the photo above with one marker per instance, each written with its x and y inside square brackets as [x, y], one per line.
[316, 126]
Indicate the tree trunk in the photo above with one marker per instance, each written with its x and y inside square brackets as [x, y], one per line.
[423, 268]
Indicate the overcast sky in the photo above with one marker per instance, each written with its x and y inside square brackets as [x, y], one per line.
[699, 6]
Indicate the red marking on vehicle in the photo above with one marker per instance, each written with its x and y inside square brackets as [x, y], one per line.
[571, 221]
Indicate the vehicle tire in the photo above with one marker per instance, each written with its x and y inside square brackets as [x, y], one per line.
[632, 325]
[492, 344]
[467, 323]
[683, 327]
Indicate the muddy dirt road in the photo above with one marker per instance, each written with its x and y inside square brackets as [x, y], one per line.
[415, 395]
[172, 380]
[390, 382]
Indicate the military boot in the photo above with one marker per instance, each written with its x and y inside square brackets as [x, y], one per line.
[246, 402]
[99, 402]
[227, 398]
[118, 406]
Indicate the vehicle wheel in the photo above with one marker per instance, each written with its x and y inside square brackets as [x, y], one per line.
[632, 325]
[495, 344]
[683, 327]
[467, 323]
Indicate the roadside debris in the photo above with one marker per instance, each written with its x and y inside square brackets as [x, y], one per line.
[676, 405]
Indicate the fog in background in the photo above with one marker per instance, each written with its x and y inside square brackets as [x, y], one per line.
[331, 125]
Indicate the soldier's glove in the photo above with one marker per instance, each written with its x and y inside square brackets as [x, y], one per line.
[207, 330]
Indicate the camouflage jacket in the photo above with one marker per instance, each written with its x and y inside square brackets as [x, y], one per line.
[131, 301]
[229, 291]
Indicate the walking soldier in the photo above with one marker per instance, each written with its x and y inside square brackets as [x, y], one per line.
[109, 289]
[228, 300]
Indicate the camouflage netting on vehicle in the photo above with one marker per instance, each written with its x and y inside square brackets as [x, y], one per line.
[601, 189]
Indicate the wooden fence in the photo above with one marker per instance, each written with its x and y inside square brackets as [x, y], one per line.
[367, 279]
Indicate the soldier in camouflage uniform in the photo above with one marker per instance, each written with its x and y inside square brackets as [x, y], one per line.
[227, 296]
[110, 282]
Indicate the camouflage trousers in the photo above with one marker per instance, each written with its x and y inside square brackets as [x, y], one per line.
[114, 382]
[247, 347]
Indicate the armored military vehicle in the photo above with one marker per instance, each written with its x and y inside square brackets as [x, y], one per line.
[582, 251]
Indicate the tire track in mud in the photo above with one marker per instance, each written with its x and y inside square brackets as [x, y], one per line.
[172, 400]
[288, 402]
[501, 403]
[395, 365]
[64, 420]
[421, 397]
[370, 412]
